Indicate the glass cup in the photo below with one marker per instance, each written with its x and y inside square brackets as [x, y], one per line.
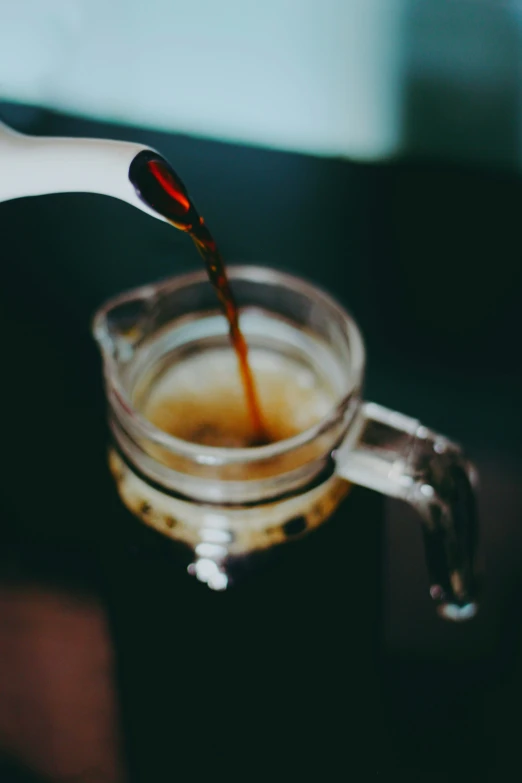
[227, 503]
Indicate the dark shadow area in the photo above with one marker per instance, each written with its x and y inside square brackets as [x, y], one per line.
[11, 772]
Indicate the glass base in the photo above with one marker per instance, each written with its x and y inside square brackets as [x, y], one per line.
[218, 535]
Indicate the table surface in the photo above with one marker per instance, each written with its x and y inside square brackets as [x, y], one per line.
[427, 258]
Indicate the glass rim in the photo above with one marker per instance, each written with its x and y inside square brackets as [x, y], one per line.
[219, 455]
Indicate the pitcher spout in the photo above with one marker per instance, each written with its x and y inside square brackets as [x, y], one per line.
[119, 326]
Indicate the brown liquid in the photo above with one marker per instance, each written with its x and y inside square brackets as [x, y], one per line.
[199, 399]
[159, 186]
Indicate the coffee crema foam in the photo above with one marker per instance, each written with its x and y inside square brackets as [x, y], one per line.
[201, 399]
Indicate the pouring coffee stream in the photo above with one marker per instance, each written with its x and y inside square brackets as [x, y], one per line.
[159, 186]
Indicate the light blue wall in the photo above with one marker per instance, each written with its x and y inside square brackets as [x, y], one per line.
[359, 78]
[462, 86]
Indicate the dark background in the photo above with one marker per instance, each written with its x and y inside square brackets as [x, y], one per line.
[426, 254]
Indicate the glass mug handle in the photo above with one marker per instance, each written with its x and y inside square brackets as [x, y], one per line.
[397, 456]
